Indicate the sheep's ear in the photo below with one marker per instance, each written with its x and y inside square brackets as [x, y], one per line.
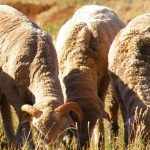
[106, 115]
[34, 112]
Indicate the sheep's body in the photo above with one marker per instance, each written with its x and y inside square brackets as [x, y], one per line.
[129, 65]
[29, 74]
[82, 45]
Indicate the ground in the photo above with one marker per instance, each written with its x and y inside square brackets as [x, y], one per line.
[51, 14]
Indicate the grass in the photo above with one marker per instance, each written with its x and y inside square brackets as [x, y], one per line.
[126, 9]
[52, 29]
[109, 143]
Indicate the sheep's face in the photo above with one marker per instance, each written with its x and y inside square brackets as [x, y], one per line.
[51, 126]
[52, 123]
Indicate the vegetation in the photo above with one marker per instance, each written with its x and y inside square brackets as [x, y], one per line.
[51, 20]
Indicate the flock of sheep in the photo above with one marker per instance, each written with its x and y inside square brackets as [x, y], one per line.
[58, 93]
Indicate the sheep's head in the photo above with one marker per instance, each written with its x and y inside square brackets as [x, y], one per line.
[53, 124]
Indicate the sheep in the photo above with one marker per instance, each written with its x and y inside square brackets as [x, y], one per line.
[82, 46]
[29, 79]
[129, 62]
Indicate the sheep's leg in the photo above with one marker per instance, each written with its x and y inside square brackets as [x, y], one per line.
[130, 127]
[126, 135]
[101, 143]
[16, 103]
[7, 119]
[114, 104]
[13, 96]
[25, 131]
[102, 90]
[113, 111]
[18, 136]
[113, 108]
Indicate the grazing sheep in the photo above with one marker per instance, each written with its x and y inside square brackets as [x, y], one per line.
[82, 45]
[129, 69]
[29, 76]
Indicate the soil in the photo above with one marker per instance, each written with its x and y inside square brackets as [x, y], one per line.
[62, 14]
[32, 11]
[29, 9]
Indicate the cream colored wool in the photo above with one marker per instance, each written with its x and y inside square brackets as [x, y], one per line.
[129, 68]
[29, 75]
[82, 45]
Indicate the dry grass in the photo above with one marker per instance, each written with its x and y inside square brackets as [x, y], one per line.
[51, 14]
[138, 144]
[51, 20]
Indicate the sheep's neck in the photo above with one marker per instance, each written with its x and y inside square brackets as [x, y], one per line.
[46, 88]
[83, 89]
[80, 85]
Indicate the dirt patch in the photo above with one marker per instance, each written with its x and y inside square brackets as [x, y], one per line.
[55, 15]
[43, 13]
[62, 14]
[29, 9]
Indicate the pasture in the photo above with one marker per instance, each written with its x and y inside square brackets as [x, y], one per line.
[50, 15]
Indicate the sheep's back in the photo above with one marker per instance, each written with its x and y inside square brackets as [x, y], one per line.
[85, 39]
[26, 46]
[129, 63]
